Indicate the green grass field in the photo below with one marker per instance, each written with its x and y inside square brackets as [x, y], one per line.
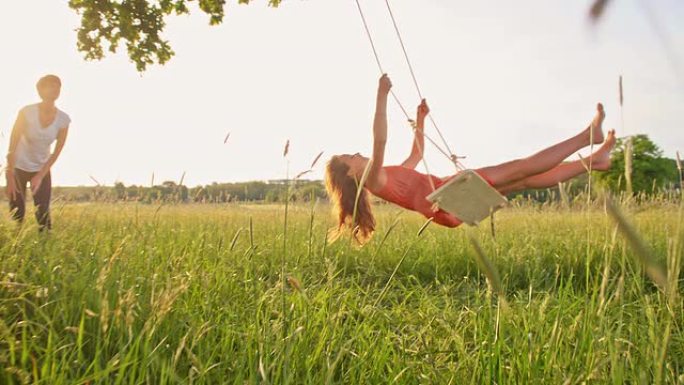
[145, 294]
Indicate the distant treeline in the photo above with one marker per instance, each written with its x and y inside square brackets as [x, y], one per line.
[300, 191]
[169, 191]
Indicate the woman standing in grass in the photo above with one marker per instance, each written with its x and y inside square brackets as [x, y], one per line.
[29, 159]
[408, 188]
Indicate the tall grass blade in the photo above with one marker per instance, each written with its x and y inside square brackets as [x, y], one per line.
[641, 251]
[487, 267]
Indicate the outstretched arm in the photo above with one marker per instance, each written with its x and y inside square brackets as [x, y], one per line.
[419, 138]
[379, 133]
[38, 178]
[17, 132]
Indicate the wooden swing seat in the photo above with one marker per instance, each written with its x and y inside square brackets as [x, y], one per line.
[468, 197]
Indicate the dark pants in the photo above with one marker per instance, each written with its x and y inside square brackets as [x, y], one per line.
[41, 199]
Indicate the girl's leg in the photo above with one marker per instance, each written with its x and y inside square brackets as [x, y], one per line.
[510, 172]
[41, 199]
[600, 161]
[18, 204]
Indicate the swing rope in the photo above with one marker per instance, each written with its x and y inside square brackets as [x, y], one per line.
[448, 153]
[452, 157]
[396, 99]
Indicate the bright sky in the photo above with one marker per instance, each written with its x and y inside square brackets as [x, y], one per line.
[504, 79]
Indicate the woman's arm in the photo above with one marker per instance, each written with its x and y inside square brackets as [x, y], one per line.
[38, 178]
[379, 134]
[17, 132]
[419, 139]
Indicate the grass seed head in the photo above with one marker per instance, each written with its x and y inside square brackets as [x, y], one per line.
[316, 159]
[287, 148]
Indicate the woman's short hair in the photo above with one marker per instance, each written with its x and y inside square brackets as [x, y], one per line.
[48, 79]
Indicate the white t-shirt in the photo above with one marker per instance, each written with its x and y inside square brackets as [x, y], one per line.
[33, 149]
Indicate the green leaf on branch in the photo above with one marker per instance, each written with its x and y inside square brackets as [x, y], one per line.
[138, 25]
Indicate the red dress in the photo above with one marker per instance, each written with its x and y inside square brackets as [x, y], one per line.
[408, 188]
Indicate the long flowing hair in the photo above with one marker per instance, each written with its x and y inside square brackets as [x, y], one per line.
[342, 190]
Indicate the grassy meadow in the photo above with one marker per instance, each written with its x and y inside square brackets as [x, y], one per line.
[239, 294]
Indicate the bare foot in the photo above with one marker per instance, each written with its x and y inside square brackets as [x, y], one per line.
[597, 124]
[601, 158]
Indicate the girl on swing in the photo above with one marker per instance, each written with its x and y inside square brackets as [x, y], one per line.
[408, 188]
